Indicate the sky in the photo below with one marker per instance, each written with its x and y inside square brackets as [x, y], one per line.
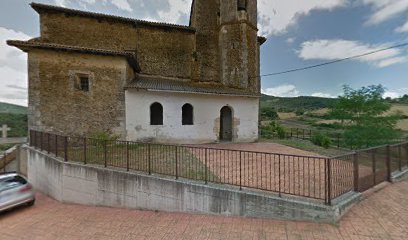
[300, 33]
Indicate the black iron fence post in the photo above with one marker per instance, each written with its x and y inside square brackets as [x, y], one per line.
[240, 170]
[66, 149]
[35, 138]
[329, 186]
[279, 174]
[127, 156]
[56, 145]
[105, 153]
[373, 156]
[41, 141]
[399, 158]
[31, 137]
[148, 159]
[406, 153]
[206, 166]
[48, 143]
[176, 163]
[85, 150]
[356, 171]
[388, 163]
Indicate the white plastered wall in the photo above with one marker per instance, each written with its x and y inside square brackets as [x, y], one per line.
[206, 126]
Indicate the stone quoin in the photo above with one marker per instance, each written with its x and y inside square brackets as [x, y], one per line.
[147, 81]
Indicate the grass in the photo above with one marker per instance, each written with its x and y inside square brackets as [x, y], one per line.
[403, 124]
[162, 159]
[307, 145]
[4, 147]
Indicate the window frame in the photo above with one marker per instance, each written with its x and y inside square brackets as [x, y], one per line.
[75, 79]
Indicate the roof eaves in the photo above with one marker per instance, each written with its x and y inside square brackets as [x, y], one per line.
[26, 45]
[205, 93]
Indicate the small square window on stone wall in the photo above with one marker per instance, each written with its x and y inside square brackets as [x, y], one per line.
[82, 81]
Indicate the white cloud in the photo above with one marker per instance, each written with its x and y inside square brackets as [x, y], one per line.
[403, 28]
[384, 10]
[392, 61]
[335, 49]
[177, 8]
[276, 16]
[391, 95]
[13, 69]
[63, 3]
[396, 93]
[286, 90]
[290, 40]
[120, 4]
[322, 95]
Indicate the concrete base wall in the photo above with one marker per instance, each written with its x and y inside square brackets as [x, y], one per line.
[92, 185]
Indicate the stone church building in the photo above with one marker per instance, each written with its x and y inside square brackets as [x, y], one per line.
[147, 81]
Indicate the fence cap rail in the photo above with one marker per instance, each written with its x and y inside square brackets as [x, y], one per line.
[193, 147]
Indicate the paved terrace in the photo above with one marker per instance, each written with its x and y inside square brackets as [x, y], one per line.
[382, 215]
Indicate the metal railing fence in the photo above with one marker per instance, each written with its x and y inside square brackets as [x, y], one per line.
[312, 177]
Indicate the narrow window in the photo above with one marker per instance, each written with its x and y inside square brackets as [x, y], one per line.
[84, 83]
[242, 5]
[188, 114]
[156, 114]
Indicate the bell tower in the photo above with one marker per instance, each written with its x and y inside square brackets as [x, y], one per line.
[227, 47]
[238, 42]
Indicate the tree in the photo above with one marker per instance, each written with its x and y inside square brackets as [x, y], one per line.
[362, 115]
[269, 113]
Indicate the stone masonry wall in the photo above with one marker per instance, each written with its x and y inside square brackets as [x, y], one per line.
[164, 52]
[57, 106]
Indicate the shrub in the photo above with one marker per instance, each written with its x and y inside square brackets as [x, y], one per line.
[272, 130]
[300, 112]
[321, 140]
[102, 137]
[268, 113]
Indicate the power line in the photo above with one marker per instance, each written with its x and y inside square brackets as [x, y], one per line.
[335, 61]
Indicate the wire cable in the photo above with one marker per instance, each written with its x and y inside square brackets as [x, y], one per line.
[335, 61]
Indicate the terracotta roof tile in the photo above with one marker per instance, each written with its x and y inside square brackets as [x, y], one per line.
[166, 85]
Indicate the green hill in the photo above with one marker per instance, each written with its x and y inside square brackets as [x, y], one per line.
[12, 109]
[284, 104]
[15, 117]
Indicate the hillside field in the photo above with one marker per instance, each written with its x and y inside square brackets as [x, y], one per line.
[16, 119]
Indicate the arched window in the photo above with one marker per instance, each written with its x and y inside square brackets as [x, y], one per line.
[242, 5]
[156, 114]
[188, 114]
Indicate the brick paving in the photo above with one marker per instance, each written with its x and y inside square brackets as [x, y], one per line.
[382, 215]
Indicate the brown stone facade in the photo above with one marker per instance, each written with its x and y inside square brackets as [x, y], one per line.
[220, 49]
[55, 103]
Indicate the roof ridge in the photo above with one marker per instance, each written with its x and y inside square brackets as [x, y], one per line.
[40, 6]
